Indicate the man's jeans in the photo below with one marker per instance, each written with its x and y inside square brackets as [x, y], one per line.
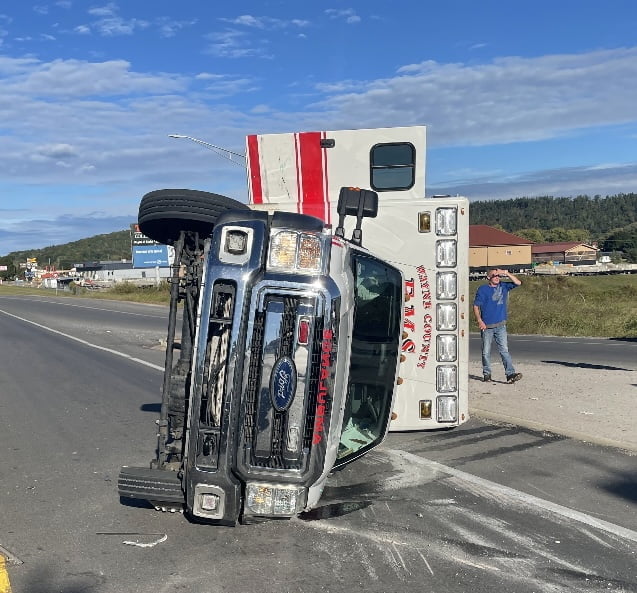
[500, 335]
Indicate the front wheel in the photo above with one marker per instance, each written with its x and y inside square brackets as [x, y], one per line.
[164, 213]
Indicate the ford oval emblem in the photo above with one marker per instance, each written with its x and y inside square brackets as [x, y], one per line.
[283, 383]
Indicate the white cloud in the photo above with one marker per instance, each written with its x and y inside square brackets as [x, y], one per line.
[32, 78]
[235, 44]
[110, 24]
[170, 28]
[108, 10]
[57, 151]
[348, 15]
[264, 22]
[247, 21]
[508, 100]
[221, 85]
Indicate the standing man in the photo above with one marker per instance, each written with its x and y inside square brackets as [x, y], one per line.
[490, 309]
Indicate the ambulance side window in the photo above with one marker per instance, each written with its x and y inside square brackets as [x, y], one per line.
[393, 166]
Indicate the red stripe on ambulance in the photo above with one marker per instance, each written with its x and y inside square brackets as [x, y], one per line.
[312, 190]
[255, 169]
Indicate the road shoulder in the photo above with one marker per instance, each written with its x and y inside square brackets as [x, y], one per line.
[589, 404]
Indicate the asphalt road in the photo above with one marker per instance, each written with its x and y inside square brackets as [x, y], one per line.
[479, 508]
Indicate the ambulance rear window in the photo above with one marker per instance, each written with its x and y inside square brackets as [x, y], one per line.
[393, 166]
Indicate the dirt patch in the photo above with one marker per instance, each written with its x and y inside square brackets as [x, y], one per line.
[590, 403]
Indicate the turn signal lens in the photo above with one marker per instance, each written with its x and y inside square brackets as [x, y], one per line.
[425, 409]
[424, 222]
[309, 253]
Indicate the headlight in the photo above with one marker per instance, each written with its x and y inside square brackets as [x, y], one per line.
[295, 252]
[283, 250]
[273, 500]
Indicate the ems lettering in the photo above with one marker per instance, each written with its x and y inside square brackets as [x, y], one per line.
[322, 399]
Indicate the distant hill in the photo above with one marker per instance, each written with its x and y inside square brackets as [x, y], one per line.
[110, 246]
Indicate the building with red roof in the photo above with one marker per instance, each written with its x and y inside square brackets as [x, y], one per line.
[492, 248]
[567, 252]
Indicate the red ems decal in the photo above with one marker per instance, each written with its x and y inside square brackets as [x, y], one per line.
[322, 399]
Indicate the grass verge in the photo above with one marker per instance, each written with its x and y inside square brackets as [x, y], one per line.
[602, 306]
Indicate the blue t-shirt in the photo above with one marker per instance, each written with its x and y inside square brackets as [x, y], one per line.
[492, 301]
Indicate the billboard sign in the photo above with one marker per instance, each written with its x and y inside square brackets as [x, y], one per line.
[150, 256]
[147, 253]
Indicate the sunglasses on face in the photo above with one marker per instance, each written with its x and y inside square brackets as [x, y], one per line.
[494, 276]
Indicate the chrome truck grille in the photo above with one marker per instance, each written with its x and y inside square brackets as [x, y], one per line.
[283, 376]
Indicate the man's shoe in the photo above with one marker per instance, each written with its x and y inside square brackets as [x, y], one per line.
[514, 377]
[486, 378]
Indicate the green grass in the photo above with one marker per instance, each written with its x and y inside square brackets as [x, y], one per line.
[121, 292]
[602, 306]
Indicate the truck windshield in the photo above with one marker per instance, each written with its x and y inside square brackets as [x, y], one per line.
[374, 356]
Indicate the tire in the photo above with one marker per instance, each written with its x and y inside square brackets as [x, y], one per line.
[164, 213]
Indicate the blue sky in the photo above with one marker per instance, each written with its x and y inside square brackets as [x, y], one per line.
[520, 98]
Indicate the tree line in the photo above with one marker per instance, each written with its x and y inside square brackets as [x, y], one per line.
[611, 222]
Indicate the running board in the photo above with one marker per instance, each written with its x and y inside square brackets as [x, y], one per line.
[150, 484]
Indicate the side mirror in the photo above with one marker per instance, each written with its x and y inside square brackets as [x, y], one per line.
[353, 201]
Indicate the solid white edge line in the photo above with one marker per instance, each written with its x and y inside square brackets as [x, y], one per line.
[528, 499]
[85, 343]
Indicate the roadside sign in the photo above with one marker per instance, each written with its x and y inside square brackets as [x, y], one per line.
[150, 256]
[147, 253]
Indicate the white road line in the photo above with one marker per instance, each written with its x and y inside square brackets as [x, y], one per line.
[527, 499]
[41, 300]
[85, 343]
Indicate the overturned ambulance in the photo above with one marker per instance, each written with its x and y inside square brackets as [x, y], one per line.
[305, 313]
